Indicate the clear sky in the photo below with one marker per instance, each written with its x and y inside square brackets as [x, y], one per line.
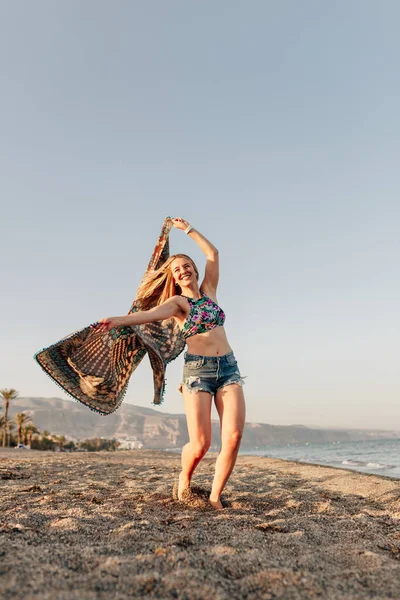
[273, 127]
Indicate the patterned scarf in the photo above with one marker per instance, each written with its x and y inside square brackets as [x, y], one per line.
[94, 367]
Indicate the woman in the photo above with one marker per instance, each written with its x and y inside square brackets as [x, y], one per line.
[210, 367]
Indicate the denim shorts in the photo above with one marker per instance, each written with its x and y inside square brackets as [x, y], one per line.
[210, 373]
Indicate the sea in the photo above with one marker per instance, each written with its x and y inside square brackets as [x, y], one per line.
[379, 457]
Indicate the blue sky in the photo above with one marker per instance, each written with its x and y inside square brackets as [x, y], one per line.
[273, 127]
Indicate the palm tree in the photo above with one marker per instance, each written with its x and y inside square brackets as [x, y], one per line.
[24, 432]
[10, 427]
[21, 419]
[7, 395]
[28, 432]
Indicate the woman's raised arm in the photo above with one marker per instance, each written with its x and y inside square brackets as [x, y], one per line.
[211, 275]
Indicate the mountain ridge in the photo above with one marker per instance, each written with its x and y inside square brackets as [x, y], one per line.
[167, 430]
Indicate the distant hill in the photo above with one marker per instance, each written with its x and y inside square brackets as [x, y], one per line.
[162, 430]
[76, 421]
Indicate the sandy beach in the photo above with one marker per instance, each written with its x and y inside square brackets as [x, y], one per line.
[106, 525]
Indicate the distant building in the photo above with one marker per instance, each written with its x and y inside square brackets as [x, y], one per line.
[129, 444]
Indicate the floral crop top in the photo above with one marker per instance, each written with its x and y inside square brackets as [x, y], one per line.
[205, 314]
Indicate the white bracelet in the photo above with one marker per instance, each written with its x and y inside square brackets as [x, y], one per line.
[188, 229]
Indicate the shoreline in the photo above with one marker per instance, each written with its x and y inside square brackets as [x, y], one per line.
[300, 462]
[212, 454]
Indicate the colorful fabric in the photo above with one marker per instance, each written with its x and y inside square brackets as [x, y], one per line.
[94, 366]
[205, 314]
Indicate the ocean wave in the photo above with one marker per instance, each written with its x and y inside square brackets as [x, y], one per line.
[370, 465]
[373, 465]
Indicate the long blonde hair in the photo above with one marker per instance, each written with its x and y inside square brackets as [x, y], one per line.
[159, 285]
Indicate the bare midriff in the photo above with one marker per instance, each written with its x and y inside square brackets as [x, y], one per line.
[210, 343]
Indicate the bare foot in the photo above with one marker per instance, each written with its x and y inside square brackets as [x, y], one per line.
[183, 484]
[215, 503]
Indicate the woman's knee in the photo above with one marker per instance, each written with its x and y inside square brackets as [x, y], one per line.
[200, 447]
[232, 439]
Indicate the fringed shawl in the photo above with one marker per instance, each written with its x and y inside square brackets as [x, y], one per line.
[94, 366]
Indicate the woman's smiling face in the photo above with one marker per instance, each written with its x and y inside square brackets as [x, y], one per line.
[183, 271]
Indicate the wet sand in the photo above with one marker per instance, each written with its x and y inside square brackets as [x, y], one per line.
[105, 525]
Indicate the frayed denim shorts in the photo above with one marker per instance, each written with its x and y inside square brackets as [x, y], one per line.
[210, 373]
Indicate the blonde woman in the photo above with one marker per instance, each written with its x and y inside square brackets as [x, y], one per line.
[210, 368]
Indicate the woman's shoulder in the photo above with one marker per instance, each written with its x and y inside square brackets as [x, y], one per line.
[184, 308]
[178, 300]
[182, 303]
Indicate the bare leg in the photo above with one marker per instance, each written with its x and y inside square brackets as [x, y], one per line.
[231, 408]
[198, 418]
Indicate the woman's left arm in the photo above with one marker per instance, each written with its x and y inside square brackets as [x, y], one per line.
[211, 275]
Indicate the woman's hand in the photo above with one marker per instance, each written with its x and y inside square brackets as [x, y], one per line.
[180, 223]
[110, 323]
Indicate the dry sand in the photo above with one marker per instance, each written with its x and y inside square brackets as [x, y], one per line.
[105, 525]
